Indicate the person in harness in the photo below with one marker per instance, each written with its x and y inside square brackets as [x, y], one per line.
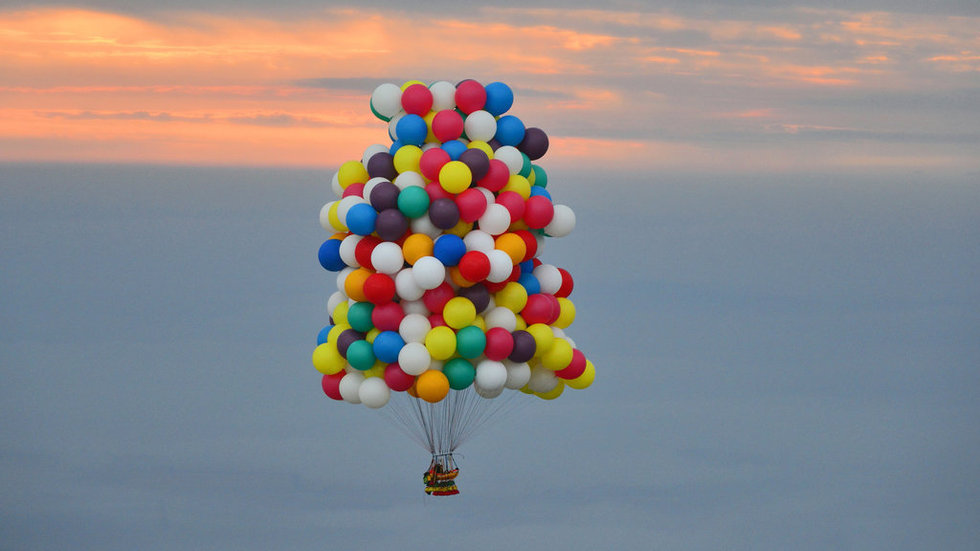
[440, 479]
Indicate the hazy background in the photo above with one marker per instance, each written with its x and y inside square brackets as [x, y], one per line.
[776, 265]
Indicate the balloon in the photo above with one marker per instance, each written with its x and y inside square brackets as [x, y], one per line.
[435, 299]
[480, 125]
[477, 161]
[417, 99]
[553, 393]
[548, 277]
[566, 313]
[501, 266]
[364, 250]
[379, 288]
[497, 175]
[500, 98]
[349, 386]
[513, 202]
[345, 339]
[414, 358]
[373, 392]
[530, 242]
[477, 294]
[432, 161]
[534, 144]
[585, 379]
[518, 374]
[474, 266]
[428, 272]
[383, 195]
[413, 201]
[354, 284]
[538, 212]
[387, 345]
[455, 176]
[513, 245]
[575, 367]
[361, 218]
[359, 316]
[416, 246]
[478, 240]
[443, 213]
[459, 372]
[441, 343]
[360, 355]
[329, 255]
[331, 385]
[470, 96]
[406, 287]
[495, 220]
[397, 379]
[567, 283]
[414, 328]
[562, 222]
[447, 125]
[386, 101]
[324, 334]
[432, 386]
[327, 359]
[490, 375]
[391, 224]
[387, 258]
[454, 148]
[544, 337]
[411, 130]
[510, 130]
[519, 185]
[537, 309]
[511, 157]
[387, 317]
[408, 179]
[471, 204]
[524, 346]
[457, 311]
[381, 164]
[499, 343]
[449, 249]
[348, 248]
[542, 380]
[558, 356]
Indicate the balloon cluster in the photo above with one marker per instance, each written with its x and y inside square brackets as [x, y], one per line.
[436, 251]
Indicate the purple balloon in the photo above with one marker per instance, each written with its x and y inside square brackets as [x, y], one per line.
[391, 224]
[534, 144]
[382, 165]
[478, 295]
[494, 144]
[384, 196]
[477, 161]
[524, 346]
[444, 213]
[345, 338]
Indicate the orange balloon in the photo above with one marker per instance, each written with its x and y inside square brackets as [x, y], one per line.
[416, 246]
[354, 284]
[432, 386]
[458, 278]
[512, 244]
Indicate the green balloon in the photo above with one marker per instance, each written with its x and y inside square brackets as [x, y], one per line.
[460, 373]
[470, 342]
[359, 316]
[540, 176]
[526, 167]
[413, 201]
[360, 354]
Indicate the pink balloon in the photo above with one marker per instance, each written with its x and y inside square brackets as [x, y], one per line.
[396, 379]
[538, 212]
[388, 316]
[500, 343]
[472, 203]
[431, 162]
[538, 309]
[447, 125]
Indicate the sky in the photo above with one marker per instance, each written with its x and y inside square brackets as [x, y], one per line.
[775, 260]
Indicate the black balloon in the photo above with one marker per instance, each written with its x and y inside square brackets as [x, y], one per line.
[534, 144]
[524, 346]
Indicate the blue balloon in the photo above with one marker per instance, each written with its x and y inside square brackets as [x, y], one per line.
[530, 283]
[455, 148]
[538, 190]
[361, 218]
[526, 267]
[387, 345]
[449, 248]
[329, 255]
[510, 130]
[321, 337]
[500, 98]
[411, 129]
[395, 146]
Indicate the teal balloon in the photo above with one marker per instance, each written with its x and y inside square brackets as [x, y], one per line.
[413, 201]
[470, 342]
[460, 373]
[359, 316]
[360, 354]
[540, 176]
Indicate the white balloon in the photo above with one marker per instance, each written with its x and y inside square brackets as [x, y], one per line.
[387, 258]
[334, 301]
[347, 247]
[501, 266]
[511, 157]
[423, 224]
[562, 222]
[387, 99]
[350, 386]
[325, 217]
[373, 392]
[443, 95]
[415, 307]
[429, 272]
[480, 125]
[371, 151]
[518, 374]
[406, 287]
[478, 240]
[490, 375]
[502, 317]
[409, 178]
[393, 124]
[488, 394]
[414, 328]
[542, 379]
[335, 184]
[414, 358]
[495, 220]
[549, 277]
[342, 277]
[491, 198]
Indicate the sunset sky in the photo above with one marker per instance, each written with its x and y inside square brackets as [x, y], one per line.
[720, 87]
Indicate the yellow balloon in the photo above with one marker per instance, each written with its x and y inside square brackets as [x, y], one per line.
[480, 322]
[372, 334]
[339, 314]
[519, 184]
[512, 297]
[544, 337]
[377, 370]
[585, 379]
[407, 158]
[411, 82]
[335, 332]
[558, 356]
[327, 359]
[432, 386]
[567, 313]
[521, 325]
[440, 342]
[335, 221]
[455, 176]
[553, 393]
[483, 146]
[461, 228]
[430, 137]
[351, 172]
[459, 312]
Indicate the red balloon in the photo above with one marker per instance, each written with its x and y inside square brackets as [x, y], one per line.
[530, 243]
[555, 308]
[436, 192]
[538, 211]
[331, 385]
[470, 96]
[354, 190]
[379, 289]
[472, 203]
[474, 266]
[500, 343]
[396, 379]
[496, 177]
[514, 204]
[567, 284]
[363, 250]
[494, 287]
[417, 99]
[575, 368]
[435, 299]
[387, 316]
[436, 320]
[538, 309]
[431, 162]
[447, 125]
